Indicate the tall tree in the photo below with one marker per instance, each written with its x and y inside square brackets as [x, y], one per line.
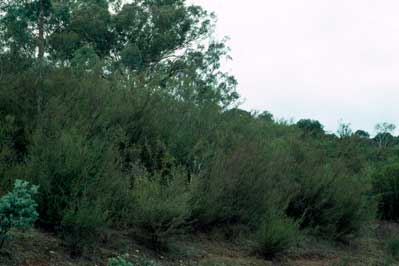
[311, 127]
[344, 130]
[25, 24]
[384, 136]
[152, 43]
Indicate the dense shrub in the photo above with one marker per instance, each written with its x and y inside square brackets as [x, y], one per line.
[123, 261]
[310, 127]
[161, 207]
[233, 190]
[386, 188]
[12, 141]
[143, 131]
[80, 185]
[248, 179]
[275, 234]
[17, 209]
[392, 245]
[62, 164]
[81, 226]
[243, 179]
[332, 204]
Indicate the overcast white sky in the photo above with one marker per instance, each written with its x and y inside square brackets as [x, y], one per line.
[322, 59]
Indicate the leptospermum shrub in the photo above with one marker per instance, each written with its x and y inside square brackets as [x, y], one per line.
[386, 188]
[276, 234]
[161, 208]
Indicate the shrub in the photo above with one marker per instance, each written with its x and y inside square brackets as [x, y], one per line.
[161, 207]
[276, 234]
[17, 209]
[332, 204]
[122, 261]
[386, 187]
[81, 184]
[12, 148]
[393, 247]
[67, 166]
[238, 183]
[81, 226]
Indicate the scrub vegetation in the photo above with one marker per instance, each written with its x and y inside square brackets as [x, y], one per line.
[121, 118]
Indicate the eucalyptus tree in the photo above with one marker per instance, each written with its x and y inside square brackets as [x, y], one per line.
[163, 42]
[383, 137]
[311, 127]
[362, 134]
[344, 130]
[26, 25]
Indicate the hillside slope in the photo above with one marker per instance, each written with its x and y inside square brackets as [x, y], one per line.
[38, 248]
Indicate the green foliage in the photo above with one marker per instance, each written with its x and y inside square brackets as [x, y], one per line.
[362, 134]
[392, 246]
[17, 209]
[311, 127]
[161, 207]
[119, 261]
[122, 115]
[245, 171]
[9, 156]
[81, 225]
[67, 167]
[344, 130]
[332, 204]
[238, 184]
[122, 261]
[81, 185]
[275, 234]
[386, 187]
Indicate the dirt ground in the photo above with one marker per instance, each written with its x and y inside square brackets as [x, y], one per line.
[38, 248]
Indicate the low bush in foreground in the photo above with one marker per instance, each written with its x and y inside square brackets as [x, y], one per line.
[276, 234]
[332, 205]
[17, 209]
[161, 208]
[81, 226]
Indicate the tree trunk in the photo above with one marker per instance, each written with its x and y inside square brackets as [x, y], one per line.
[41, 48]
[41, 32]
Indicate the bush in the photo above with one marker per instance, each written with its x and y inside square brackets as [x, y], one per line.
[12, 148]
[386, 187]
[276, 234]
[81, 225]
[238, 183]
[332, 204]
[17, 209]
[67, 166]
[81, 185]
[122, 261]
[392, 246]
[161, 207]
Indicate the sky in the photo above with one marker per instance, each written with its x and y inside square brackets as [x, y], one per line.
[331, 60]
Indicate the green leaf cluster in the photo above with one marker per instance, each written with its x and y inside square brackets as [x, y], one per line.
[17, 209]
